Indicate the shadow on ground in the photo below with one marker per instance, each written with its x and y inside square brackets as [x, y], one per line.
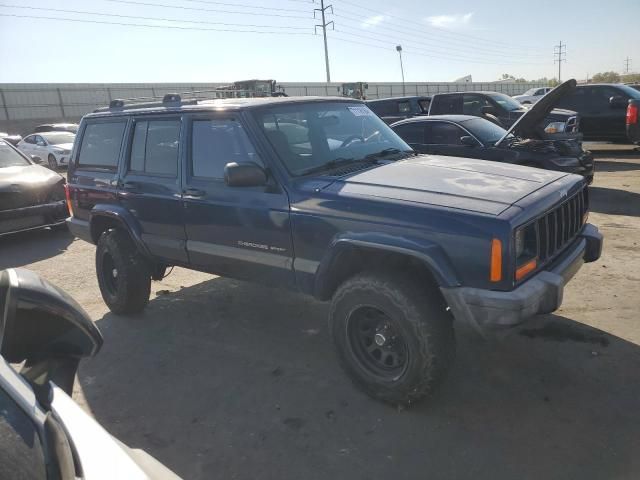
[613, 201]
[231, 380]
[28, 247]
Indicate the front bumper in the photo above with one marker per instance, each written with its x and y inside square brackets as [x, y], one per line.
[32, 217]
[489, 309]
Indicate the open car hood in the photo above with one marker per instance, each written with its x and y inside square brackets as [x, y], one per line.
[527, 125]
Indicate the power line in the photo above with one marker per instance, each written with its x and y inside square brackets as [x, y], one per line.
[408, 31]
[406, 20]
[174, 27]
[181, 7]
[560, 55]
[244, 5]
[136, 17]
[324, 26]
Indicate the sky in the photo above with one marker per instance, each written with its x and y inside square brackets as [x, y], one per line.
[226, 40]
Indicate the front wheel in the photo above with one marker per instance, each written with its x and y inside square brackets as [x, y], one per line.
[123, 274]
[393, 336]
[53, 164]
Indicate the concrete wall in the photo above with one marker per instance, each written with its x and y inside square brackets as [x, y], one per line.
[23, 106]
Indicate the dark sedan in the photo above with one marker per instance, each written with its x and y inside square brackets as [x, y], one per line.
[474, 137]
[31, 196]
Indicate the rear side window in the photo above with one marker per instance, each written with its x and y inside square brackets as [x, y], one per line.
[101, 144]
[154, 148]
[411, 132]
[214, 143]
[446, 104]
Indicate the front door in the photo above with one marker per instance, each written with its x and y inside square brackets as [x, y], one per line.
[150, 184]
[240, 232]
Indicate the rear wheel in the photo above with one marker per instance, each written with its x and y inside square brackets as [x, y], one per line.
[394, 338]
[53, 164]
[123, 274]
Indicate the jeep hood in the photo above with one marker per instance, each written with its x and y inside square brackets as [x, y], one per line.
[466, 184]
[527, 124]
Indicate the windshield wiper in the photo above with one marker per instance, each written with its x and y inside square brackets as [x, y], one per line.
[330, 165]
[386, 152]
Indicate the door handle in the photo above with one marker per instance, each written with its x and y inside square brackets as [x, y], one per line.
[194, 192]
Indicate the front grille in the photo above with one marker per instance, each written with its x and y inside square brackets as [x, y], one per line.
[558, 227]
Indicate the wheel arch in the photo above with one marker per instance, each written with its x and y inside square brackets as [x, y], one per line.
[349, 256]
[105, 217]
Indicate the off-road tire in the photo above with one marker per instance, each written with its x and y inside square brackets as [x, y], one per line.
[128, 291]
[420, 316]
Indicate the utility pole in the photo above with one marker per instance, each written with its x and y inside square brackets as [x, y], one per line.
[627, 64]
[560, 55]
[399, 50]
[324, 26]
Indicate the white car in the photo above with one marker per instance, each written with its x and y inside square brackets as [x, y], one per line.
[532, 95]
[52, 147]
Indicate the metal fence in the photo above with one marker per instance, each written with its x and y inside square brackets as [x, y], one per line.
[22, 106]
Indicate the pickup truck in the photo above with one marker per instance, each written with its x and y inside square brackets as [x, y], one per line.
[320, 196]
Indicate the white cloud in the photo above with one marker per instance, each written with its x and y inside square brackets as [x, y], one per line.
[450, 21]
[373, 21]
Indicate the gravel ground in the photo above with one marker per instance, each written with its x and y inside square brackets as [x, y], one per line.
[224, 379]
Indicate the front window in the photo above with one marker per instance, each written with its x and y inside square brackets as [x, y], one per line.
[57, 138]
[311, 136]
[9, 157]
[487, 132]
[629, 91]
[505, 101]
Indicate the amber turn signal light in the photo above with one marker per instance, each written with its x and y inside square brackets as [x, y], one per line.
[525, 269]
[496, 260]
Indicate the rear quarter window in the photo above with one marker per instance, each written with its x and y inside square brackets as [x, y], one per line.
[101, 143]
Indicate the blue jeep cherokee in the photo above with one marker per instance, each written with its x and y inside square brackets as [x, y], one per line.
[320, 196]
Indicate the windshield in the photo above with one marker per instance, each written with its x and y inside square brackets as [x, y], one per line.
[9, 157]
[56, 138]
[505, 101]
[531, 91]
[487, 132]
[308, 136]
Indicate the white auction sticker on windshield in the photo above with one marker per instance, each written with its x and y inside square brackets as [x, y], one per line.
[361, 111]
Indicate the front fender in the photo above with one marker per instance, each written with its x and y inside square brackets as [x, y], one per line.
[121, 216]
[428, 253]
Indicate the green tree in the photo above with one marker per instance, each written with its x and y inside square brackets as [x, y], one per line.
[506, 76]
[631, 78]
[606, 77]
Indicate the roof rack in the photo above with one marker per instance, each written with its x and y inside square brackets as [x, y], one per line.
[169, 100]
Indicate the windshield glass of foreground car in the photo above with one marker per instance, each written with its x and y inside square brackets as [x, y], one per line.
[57, 138]
[487, 132]
[505, 101]
[10, 158]
[309, 136]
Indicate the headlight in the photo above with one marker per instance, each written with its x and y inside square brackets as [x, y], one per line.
[525, 243]
[555, 127]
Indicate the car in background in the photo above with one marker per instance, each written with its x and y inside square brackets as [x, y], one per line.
[12, 139]
[391, 110]
[474, 137]
[31, 196]
[57, 127]
[532, 95]
[505, 111]
[52, 147]
[603, 110]
[44, 334]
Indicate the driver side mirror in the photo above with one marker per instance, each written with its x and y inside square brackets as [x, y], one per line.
[45, 328]
[618, 102]
[245, 174]
[469, 141]
[488, 110]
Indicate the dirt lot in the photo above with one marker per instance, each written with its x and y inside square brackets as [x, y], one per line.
[223, 379]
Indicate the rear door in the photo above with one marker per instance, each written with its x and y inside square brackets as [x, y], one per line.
[150, 186]
[240, 232]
